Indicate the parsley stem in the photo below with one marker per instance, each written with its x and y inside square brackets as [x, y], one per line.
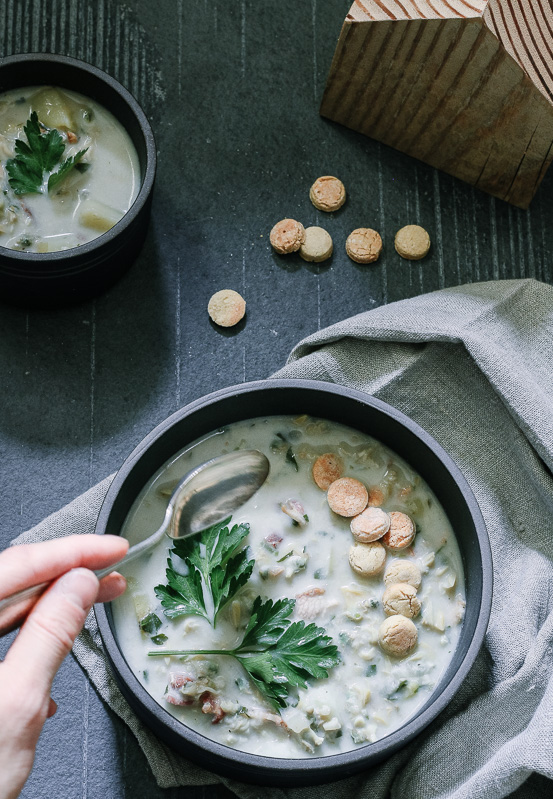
[183, 653]
[277, 654]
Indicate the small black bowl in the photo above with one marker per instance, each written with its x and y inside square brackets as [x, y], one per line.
[59, 278]
[403, 436]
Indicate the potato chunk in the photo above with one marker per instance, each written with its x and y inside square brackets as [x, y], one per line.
[54, 108]
[98, 216]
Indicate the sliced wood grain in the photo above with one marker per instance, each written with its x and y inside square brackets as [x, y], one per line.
[370, 10]
[471, 95]
[525, 29]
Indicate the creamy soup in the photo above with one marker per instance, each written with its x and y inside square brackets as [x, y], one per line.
[410, 597]
[87, 181]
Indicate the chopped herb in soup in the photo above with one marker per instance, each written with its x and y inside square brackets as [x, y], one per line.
[319, 618]
[68, 170]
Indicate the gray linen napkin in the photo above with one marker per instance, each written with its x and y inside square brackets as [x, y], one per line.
[472, 365]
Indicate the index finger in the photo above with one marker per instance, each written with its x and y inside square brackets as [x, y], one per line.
[25, 565]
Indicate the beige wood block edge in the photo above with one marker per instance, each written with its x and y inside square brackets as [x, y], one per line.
[369, 10]
[447, 91]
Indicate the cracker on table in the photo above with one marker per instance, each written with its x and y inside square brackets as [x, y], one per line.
[317, 246]
[364, 245]
[412, 242]
[327, 193]
[226, 307]
[287, 236]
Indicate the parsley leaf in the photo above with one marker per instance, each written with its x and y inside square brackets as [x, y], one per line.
[150, 623]
[302, 651]
[39, 154]
[183, 596]
[225, 582]
[277, 654]
[267, 622]
[291, 458]
[23, 177]
[42, 152]
[212, 567]
[67, 165]
[45, 148]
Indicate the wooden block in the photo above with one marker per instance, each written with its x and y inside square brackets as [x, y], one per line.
[464, 86]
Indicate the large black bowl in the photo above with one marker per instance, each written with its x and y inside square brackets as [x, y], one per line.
[389, 426]
[58, 278]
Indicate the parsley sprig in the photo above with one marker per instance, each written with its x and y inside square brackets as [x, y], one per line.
[276, 653]
[40, 154]
[214, 572]
[67, 166]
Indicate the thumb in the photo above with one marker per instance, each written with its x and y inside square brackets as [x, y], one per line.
[50, 630]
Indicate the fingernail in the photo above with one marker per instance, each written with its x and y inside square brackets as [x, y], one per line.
[117, 586]
[79, 586]
[121, 584]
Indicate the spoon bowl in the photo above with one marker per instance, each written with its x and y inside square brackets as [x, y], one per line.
[206, 495]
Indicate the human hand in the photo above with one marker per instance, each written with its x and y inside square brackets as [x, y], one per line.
[47, 635]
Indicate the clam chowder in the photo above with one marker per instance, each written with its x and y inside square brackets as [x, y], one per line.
[354, 540]
[68, 170]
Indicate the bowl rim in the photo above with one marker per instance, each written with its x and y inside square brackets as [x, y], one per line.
[328, 766]
[147, 177]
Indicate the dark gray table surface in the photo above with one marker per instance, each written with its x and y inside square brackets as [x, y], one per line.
[232, 90]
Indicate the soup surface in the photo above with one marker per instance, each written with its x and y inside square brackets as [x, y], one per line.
[95, 188]
[302, 551]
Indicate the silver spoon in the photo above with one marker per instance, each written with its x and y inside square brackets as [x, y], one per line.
[208, 494]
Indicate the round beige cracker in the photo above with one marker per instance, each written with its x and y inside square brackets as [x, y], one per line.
[412, 242]
[377, 497]
[402, 599]
[327, 193]
[370, 525]
[287, 236]
[317, 245]
[367, 559]
[397, 636]
[347, 496]
[403, 571]
[364, 245]
[401, 533]
[226, 307]
[326, 469]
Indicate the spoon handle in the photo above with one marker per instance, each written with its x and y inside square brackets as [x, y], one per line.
[14, 608]
[134, 552]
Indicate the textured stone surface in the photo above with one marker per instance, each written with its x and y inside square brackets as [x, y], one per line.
[233, 97]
